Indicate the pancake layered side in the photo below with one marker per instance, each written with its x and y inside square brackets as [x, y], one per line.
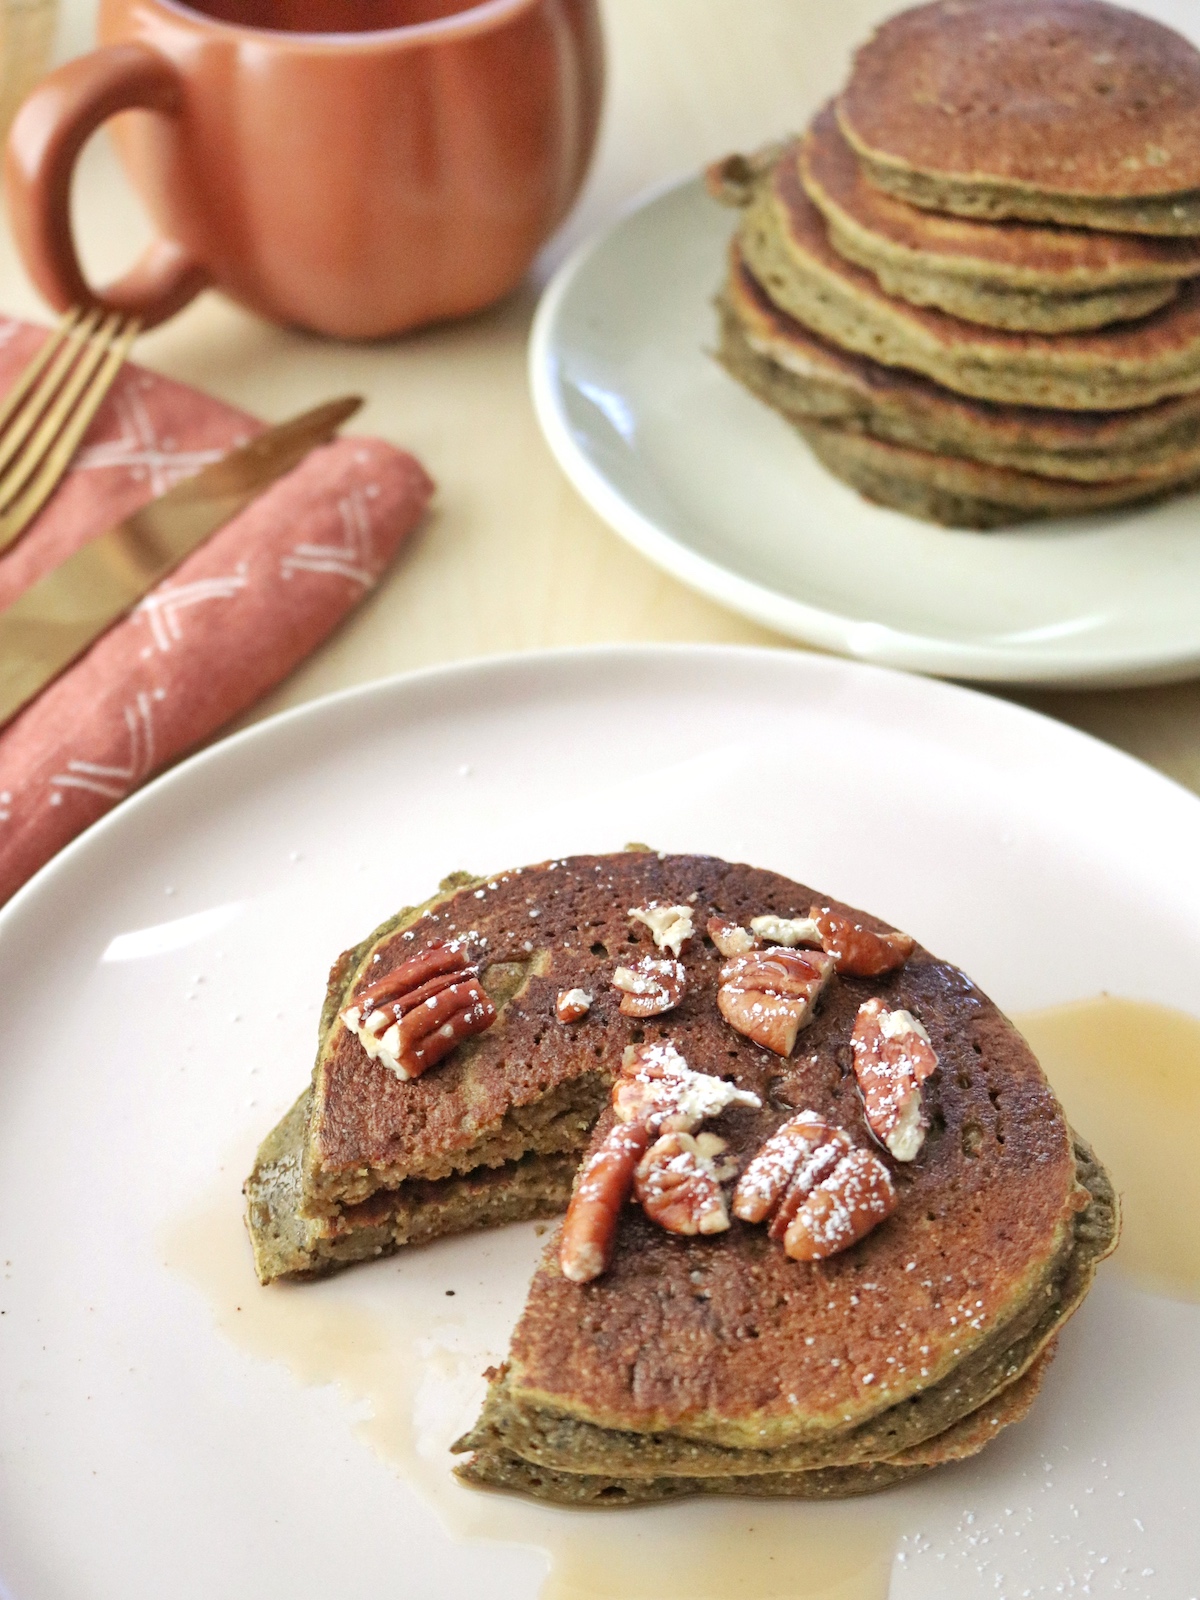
[1068, 111]
[493, 1466]
[289, 1245]
[959, 493]
[1005, 275]
[807, 379]
[784, 242]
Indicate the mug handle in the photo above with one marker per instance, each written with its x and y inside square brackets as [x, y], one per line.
[48, 133]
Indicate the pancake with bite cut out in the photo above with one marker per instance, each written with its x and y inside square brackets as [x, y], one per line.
[1069, 111]
[712, 1363]
[1006, 275]
[785, 244]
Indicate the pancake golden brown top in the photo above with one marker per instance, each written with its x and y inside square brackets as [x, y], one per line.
[725, 1338]
[1072, 97]
[1064, 260]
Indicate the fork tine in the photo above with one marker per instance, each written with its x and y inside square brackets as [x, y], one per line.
[50, 451]
[21, 419]
[27, 460]
[33, 370]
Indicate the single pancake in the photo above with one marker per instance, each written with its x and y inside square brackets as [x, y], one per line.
[784, 241]
[1070, 111]
[1006, 275]
[805, 378]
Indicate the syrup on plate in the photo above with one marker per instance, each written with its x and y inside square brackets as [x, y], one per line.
[1128, 1074]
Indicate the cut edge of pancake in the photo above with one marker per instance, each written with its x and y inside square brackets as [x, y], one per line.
[286, 1244]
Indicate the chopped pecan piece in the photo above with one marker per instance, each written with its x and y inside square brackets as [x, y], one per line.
[787, 1168]
[857, 951]
[671, 926]
[786, 931]
[657, 1088]
[415, 1015]
[769, 994]
[892, 1058]
[604, 1184]
[678, 1182]
[651, 987]
[655, 1091]
[729, 939]
[842, 1209]
[572, 1004]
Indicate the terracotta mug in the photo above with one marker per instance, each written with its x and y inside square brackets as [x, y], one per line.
[357, 167]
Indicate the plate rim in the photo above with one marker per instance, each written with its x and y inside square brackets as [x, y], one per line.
[877, 644]
[486, 666]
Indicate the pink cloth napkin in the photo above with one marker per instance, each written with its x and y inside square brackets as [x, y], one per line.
[213, 637]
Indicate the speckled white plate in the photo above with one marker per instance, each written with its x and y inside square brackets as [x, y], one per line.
[161, 982]
[713, 486]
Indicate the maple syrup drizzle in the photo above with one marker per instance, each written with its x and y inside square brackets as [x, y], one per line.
[1128, 1074]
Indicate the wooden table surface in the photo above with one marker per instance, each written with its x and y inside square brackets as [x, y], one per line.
[511, 558]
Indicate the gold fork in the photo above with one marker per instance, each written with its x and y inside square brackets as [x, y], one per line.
[47, 411]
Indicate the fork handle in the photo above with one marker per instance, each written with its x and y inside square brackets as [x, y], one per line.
[48, 133]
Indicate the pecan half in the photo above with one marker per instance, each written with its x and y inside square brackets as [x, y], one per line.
[769, 994]
[892, 1058]
[415, 1015]
[572, 1004]
[729, 939]
[842, 1209]
[651, 987]
[857, 951]
[678, 1183]
[656, 1087]
[790, 1164]
[820, 1193]
[671, 926]
[603, 1186]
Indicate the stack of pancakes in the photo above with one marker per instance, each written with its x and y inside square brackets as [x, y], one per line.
[709, 1363]
[974, 284]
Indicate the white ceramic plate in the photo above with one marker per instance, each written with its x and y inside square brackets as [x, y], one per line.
[161, 983]
[711, 485]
